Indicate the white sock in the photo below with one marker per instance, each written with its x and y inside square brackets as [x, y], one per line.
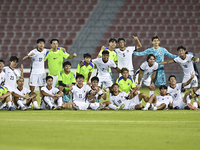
[147, 105]
[9, 104]
[35, 104]
[155, 108]
[59, 101]
[196, 99]
[20, 103]
[195, 104]
[111, 106]
[46, 99]
[151, 93]
[188, 99]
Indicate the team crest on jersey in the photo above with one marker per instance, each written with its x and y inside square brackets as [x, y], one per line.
[128, 83]
[84, 91]
[160, 53]
[88, 69]
[177, 89]
[127, 50]
[24, 94]
[187, 61]
[167, 97]
[113, 55]
[108, 66]
[121, 96]
[1, 78]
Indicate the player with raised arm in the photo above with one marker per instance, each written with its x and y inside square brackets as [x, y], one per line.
[174, 89]
[125, 82]
[52, 96]
[159, 53]
[186, 62]
[65, 80]
[5, 98]
[103, 64]
[86, 69]
[124, 54]
[55, 60]
[162, 101]
[37, 74]
[21, 101]
[143, 76]
[11, 74]
[2, 74]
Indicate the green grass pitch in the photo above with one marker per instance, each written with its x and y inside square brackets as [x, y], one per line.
[67, 129]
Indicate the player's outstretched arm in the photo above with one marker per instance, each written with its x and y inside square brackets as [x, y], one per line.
[188, 82]
[22, 70]
[153, 76]
[59, 94]
[169, 54]
[46, 94]
[166, 62]
[196, 59]
[17, 95]
[27, 57]
[146, 52]
[72, 56]
[139, 45]
[139, 79]
[118, 70]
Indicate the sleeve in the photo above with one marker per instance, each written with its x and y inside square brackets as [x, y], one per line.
[156, 66]
[78, 68]
[197, 92]
[95, 60]
[92, 70]
[146, 52]
[4, 70]
[115, 58]
[100, 92]
[60, 76]
[190, 56]
[56, 90]
[18, 74]
[28, 91]
[113, 64]
[111, 100]
[65, 55]
[74, 78]
[176, 59]
[125, 95]
[169, 54]
[72, 88]
[142, 66]
[100, 53]
[171, 100]
[133, 48]
[30, 53]
[46, 56]
[133, 84]
[88, 89]
[4, 91]
[117, 80]
[43, 89]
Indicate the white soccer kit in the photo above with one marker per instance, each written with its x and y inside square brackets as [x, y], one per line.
[146, 78]
[96, 96]
[37, 75]
[188, 68]
[176, 96]
[2, 77]
[103, 71]
[52, 91]
[23, 92]
[10, 78]
[80, 96]
[164, 99]
[125, 58]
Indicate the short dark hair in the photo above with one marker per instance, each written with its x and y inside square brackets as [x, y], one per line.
[155, 37]
[87, 55]
[54, 40]
[105, 52]
[49, 77]
[79, 76]
[40, 40]
[171, 77]
[1, 60]
[67, 63]
[119, 39]
[13, 58]
[115, 84]
[163, 87]
[95, 78]
[149, 56]
[112, 40]
[181, 47]
[124, 69]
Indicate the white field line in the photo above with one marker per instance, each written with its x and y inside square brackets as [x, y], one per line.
[98, 121]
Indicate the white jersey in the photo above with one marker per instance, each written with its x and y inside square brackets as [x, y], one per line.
[186, 64]
[125, 57]
[79, 94]
[38, 61]
[10, 78]
[100, 93]
[164, 99]
[148, 69]
[118, 99]
[103, 68]
[197, 92]
[175, 93]
[2, 77]
[23, 92]
[52, 91]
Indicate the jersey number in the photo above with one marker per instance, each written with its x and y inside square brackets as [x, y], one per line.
[11, 78]
[80, 96]
[40, 59]
[123, 55]
[175, 95]
[185, 66]
[119, 101]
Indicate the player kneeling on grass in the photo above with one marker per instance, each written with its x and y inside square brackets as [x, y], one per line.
[95, 95]
[5, 98]
[162, 101]
[20, 100]
[143, 74]
[66, 79]
[52, 96]
[174, 89]
[188, 96]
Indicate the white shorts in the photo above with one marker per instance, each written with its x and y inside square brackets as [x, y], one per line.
[159, 103]
[37, 79]
[55, 80]
[44, 106]
[193, 83]
[82, 105]
[130, 104]
[2, 105]
[146, 82]
[180, 104]
[106, 80]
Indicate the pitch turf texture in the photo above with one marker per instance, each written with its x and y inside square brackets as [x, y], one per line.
[67, 129]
